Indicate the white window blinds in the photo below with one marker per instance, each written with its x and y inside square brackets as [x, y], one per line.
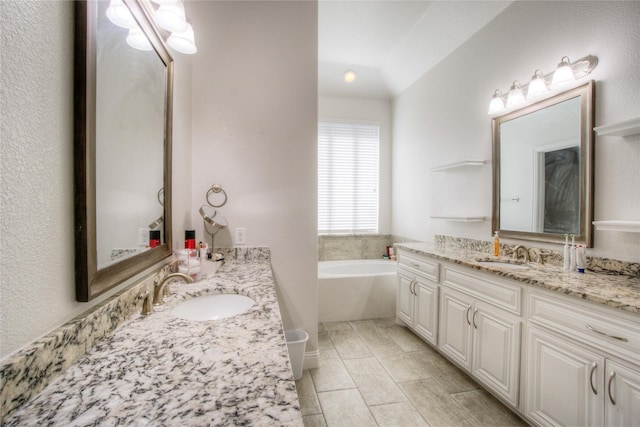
[347, 178]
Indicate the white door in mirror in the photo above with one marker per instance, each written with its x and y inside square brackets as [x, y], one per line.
[213, 307]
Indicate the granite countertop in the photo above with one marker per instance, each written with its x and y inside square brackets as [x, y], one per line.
[617, 291]
[160, 370]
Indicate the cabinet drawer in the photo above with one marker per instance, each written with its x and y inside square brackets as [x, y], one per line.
[425, 267]
[599, 327]
[486, 288]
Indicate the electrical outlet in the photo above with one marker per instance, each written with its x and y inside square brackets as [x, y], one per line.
[241, 238]
[143, 237]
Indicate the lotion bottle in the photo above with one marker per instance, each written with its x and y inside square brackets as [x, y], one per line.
[565, 258]
[496, 244]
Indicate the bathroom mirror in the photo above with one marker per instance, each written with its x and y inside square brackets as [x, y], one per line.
[122, 146]
[543, 169]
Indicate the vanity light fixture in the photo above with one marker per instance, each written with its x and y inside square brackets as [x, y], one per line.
[542, 84]
[120, 15]
[497, 103]
[349, 76]
[515, 97]
[183, 42]
[537, 85]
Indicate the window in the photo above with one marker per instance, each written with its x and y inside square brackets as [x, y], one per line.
[347, 178]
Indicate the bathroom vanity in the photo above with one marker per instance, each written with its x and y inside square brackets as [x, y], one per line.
[559, 348]
[162, 370]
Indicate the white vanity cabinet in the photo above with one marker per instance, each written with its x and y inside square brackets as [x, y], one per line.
[417, 295]
[480, 328]
[581, 364]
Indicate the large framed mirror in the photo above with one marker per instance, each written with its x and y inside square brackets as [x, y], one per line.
[543, 169]
[123, 87]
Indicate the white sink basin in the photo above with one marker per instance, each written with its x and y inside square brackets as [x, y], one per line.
[507, 265]
[213, 307]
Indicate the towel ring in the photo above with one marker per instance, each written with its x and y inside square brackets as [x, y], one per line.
[216, 188]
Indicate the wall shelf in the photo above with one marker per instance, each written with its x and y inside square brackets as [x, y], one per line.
[460, 218]
[628, 226]
[625, 128]
[462, 164]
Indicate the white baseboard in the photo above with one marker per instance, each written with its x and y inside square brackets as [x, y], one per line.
[310, 359]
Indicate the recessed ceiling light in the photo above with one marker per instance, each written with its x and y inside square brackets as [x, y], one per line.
[349, 76]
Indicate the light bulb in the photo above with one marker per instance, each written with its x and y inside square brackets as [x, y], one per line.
[120, 15]
[183, 42]
[515, 96]
[171, 17]
[537, 85]
[349, 76]
[497, 103]
[563, 74]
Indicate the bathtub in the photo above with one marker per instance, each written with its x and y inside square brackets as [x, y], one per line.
[356, 290]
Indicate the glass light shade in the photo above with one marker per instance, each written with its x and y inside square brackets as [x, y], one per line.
[563, 74]
[497, 103]
[349, 76]
[515, 96]
[138, 40]
[537, 85]
[171, 17]
[183, 42]
[120, 15]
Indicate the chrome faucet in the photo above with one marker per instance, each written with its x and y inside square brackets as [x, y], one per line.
[525, 253]
[158, 290]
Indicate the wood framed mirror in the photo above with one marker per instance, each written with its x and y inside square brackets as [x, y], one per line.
[122, 146]
[543, 169]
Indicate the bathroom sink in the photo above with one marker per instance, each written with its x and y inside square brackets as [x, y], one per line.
[213, 307]
[504, 264]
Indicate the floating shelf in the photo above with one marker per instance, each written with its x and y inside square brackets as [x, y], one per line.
[460, 218]
[459, 165]
[626, 128]
[629, 226]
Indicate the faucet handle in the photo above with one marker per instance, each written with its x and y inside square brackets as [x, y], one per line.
[147, 308]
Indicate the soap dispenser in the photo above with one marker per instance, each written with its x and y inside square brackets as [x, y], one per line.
[496, 244]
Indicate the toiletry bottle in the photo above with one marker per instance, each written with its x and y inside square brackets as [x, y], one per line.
[189, 239]
[572, 254]
[154, 238]
[496, 244]
[581, 259]
[565, 257]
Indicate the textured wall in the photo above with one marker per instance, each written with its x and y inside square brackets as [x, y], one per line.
[442, 118]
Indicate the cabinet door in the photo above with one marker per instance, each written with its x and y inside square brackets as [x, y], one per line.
[425, 320]
[455, 326]
[564, 382]
[404, 298]
[496, 350]
[622, 398]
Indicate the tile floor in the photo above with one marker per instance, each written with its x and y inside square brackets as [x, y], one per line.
[378, 373]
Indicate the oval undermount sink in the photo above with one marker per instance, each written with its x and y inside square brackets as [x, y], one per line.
[213, 307]
[502, 264]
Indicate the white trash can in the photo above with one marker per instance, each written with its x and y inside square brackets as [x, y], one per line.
[296, 343]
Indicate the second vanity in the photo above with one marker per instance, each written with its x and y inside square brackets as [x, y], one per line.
[163, 370]
[559, 348]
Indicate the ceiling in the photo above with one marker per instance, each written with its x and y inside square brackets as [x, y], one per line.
[390, 44]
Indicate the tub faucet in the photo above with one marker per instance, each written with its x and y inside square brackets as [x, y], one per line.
[158, 297]
[525, 253]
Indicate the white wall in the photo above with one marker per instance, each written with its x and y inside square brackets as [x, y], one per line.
[442, 117]
[254, 132]
[37, 289]
[370, 110]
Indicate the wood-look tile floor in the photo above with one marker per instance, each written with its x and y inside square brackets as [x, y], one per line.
[378, 373]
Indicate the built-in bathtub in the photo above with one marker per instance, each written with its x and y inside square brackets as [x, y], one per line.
[356, 290]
